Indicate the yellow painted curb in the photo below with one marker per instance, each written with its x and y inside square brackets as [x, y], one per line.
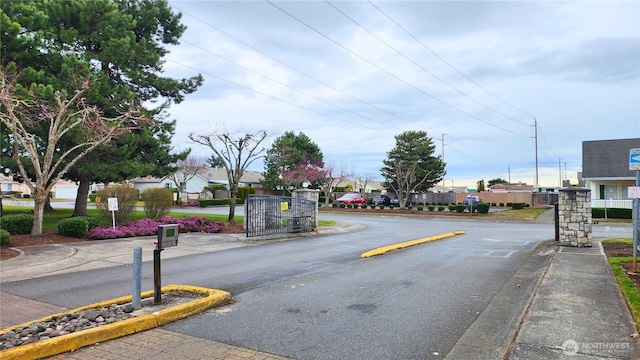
[76, 340]
[402, 245]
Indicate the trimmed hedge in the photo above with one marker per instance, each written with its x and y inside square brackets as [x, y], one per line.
[5, 237]
[16, 224]
[483, 208]
[213, 202]
[612, 213]
[74, 227]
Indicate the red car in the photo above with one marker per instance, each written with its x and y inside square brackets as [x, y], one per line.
[351, 199]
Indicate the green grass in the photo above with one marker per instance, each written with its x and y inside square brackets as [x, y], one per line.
[522, 214]
[626, 241]
[629, 289]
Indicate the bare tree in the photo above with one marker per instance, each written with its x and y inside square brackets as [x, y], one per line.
[332, 177]
[237, 153]
[406, 180]
[59, 118]
[186, 170]
[364, 180]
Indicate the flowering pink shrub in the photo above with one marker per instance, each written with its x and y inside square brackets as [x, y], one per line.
[147, 227]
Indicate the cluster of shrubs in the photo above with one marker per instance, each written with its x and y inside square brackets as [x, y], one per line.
[147, 227]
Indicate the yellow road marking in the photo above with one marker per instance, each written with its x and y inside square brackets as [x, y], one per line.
[402, 245]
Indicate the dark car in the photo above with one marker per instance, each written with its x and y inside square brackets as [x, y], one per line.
[381, 200]
[395, 201]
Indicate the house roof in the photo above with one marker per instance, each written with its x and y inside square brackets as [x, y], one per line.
[219, 175]
[607, 158]
[512, 187]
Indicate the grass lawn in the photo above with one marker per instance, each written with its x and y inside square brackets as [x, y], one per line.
[628, 287]
[529, 214]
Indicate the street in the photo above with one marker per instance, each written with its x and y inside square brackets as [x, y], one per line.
[315, 298]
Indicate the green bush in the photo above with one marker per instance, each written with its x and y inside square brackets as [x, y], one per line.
[493, 204]
[17, 223]
[92, 196]
[157, 202]
[598, 213]
[460, 208]
[501, 205]
[517, 206]
[431, 207]
[75, 227]
[509, 204]
[420, 207]
[342, 206]
[212, 202]
[440, 208]
[244, 192]
[453, 207]
[381, 206]
[483, 208]
[364, 206]
[5, 237]
[127, 197]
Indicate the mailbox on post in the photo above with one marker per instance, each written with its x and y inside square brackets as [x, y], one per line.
[167, 236]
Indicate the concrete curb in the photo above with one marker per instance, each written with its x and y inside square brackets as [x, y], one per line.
[76, 340]
[402, 245]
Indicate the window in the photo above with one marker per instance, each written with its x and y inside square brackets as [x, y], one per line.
[610, 192]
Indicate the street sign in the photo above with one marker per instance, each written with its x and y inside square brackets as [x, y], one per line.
[634, 159]
[634, 192]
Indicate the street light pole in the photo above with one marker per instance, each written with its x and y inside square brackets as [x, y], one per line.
[281, 185]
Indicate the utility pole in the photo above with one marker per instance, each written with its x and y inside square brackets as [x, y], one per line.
[443, 161]
[559, 173]
[509, 169]
[535, 124]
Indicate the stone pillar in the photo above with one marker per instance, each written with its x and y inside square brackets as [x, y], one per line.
[313, 195]
[574, 216]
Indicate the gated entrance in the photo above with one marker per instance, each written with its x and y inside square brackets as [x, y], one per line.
[266, 215]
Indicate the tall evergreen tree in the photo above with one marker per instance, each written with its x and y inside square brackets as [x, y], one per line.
[291, 160]
[410, 166]
[119, 46]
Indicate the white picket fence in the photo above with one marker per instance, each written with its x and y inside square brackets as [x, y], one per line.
[612, 203]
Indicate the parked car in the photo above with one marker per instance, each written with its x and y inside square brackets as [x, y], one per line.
[395, 201]
[351, 199]
[473, 200]
[381, 200]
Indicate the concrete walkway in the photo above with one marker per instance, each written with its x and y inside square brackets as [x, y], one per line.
[575, 311]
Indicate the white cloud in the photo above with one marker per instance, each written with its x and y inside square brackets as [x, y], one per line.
[575, 66]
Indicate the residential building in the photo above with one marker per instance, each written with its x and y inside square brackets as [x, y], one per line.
[605, 170]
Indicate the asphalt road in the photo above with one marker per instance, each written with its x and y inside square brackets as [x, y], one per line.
[315, 298]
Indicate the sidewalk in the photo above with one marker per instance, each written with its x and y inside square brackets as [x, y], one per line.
[576, 312]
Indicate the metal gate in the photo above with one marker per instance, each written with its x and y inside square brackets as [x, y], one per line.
[265, 215]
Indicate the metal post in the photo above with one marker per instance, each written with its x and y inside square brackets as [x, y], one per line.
[636, 210]
[157, 283]
[137, 278]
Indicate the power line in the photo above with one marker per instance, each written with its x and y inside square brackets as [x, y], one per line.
[449, 64]
[389, 73]
[421, 67]
[275, 97]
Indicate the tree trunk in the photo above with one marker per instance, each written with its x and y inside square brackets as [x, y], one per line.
[80, 208]
[232, 207]
[39, 200]
[47, 205]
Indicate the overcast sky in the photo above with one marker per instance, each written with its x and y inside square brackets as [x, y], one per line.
[351, 75]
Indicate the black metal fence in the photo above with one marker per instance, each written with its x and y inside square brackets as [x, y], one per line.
[266, 215]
